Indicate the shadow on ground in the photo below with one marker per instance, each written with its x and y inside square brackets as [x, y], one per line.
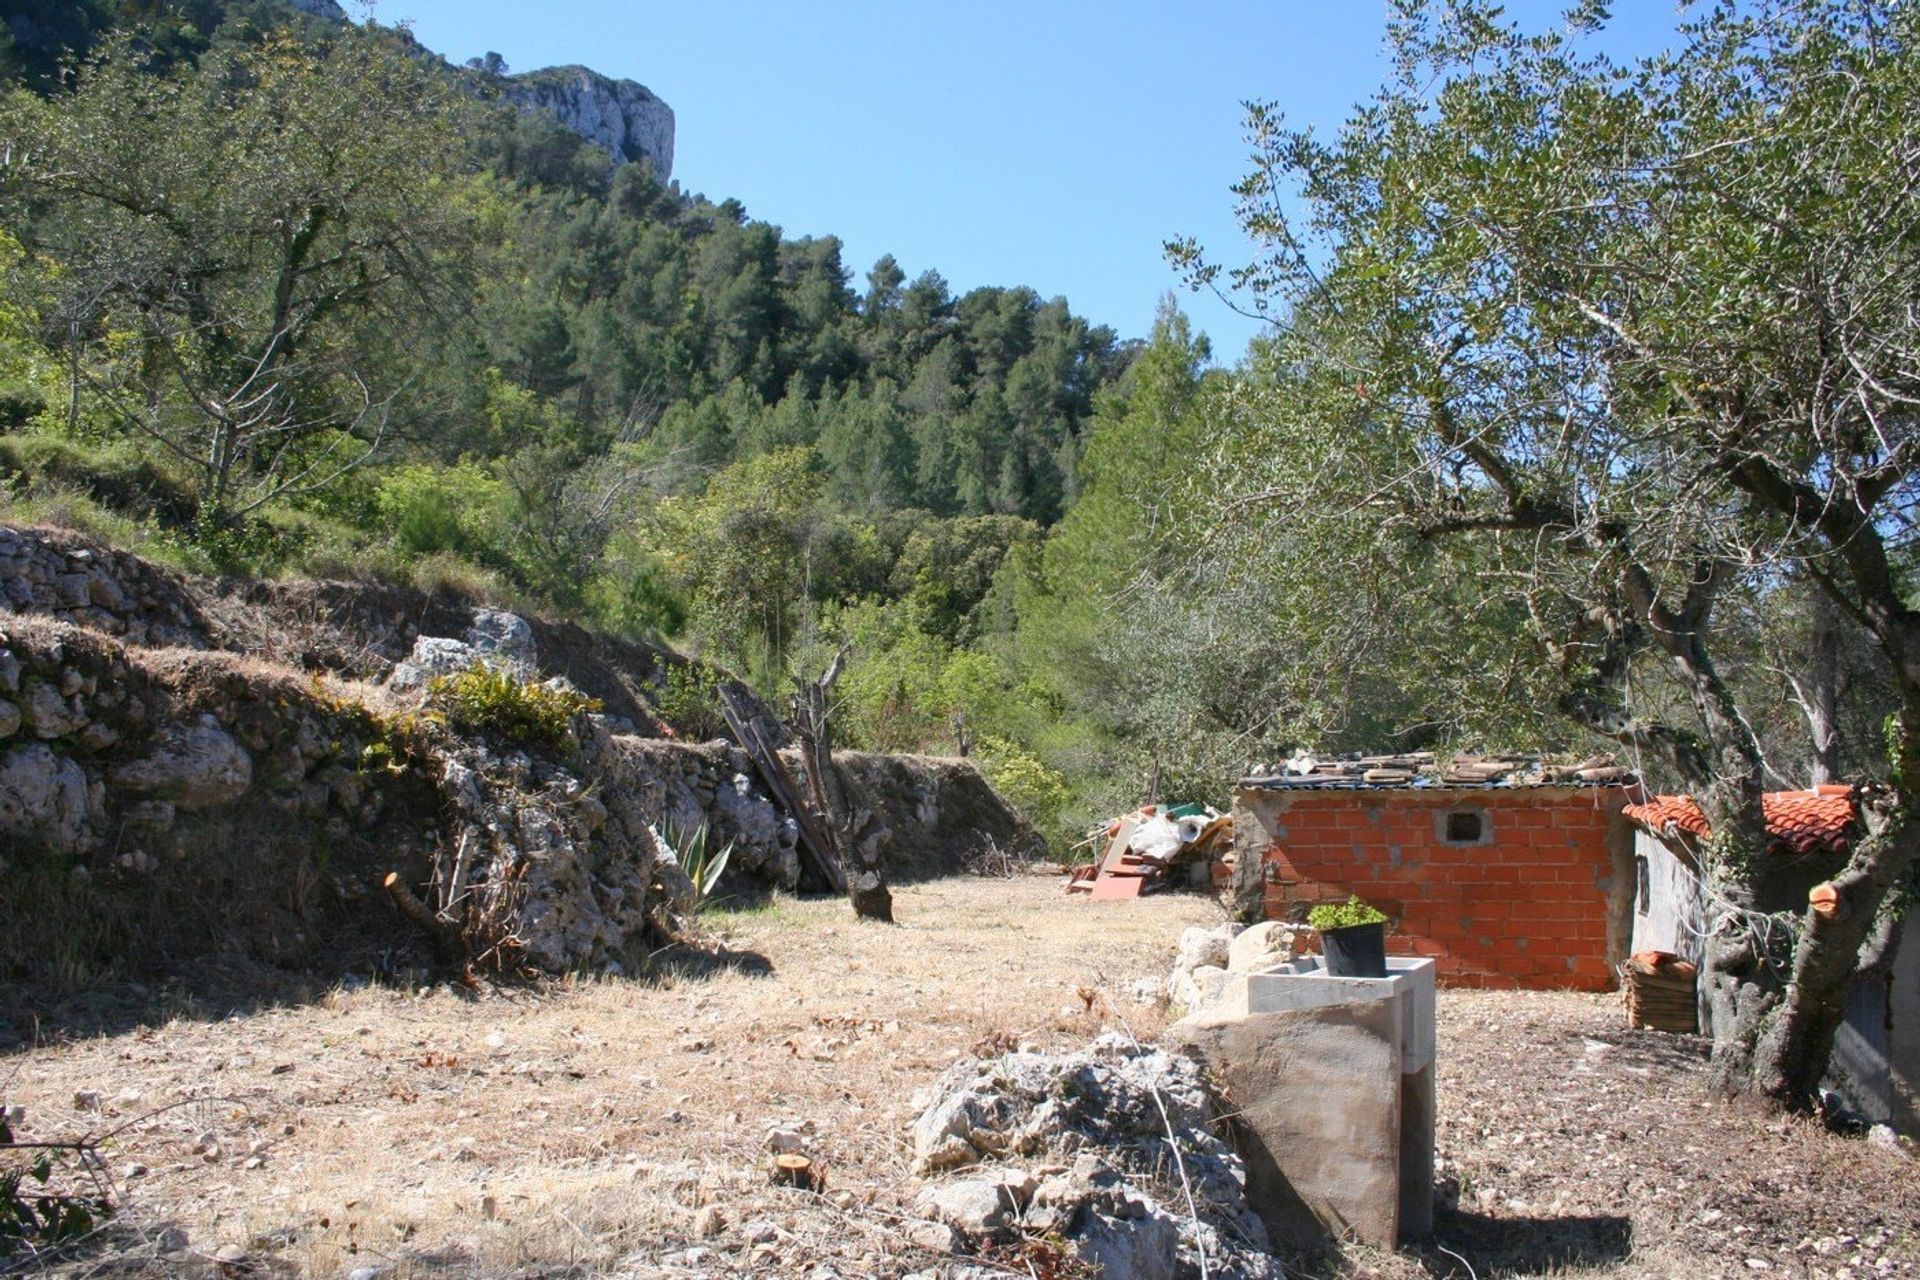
[683, 961]
[1526, 1245]
[233, 986]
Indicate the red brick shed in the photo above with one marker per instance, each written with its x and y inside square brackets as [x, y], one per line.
[1507, 873]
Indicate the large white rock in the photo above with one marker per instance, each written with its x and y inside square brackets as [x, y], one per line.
[623, 117]
[43, 797]
[1204, 946]
[1261, 946]
[979, 1206]
[195, 766]
[500, 634]
[1200, 949]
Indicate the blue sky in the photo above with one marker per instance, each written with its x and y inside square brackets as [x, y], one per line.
[1053, 143]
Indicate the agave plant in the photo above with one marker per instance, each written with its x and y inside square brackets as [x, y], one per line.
[701, 862]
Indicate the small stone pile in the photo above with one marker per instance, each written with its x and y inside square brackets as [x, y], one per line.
[1111, 1148]
[494, 638]
[1208, 957]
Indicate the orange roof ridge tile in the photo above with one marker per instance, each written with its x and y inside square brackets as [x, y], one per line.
[1798, 822]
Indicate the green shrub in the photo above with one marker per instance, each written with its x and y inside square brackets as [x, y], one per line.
[632, 592]
[19, 406]
[1039, 793]
[689, 700]
[486, 699]
[441, 509]
[1344, 915]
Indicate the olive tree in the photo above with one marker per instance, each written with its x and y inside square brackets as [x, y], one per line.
[245, 247]
[1646, 334]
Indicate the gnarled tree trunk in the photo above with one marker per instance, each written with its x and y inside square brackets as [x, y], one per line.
[857, 834]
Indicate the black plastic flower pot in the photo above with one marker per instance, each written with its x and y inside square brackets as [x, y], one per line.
[1357, 951]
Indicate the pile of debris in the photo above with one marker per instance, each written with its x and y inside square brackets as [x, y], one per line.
[1660, 995]
[1111, 1148]
[1151, 849]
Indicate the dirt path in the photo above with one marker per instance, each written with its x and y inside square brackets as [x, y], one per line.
[615, 1128]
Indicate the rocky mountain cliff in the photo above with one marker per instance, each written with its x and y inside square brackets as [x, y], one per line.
[623, 117]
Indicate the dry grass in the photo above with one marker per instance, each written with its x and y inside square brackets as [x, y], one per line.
[614, 1127]
[582, 1129]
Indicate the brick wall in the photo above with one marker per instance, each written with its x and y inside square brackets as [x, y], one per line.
[1541, 899]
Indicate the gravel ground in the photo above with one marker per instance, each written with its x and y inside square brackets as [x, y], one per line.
[615, 1127]
[1575, 1146]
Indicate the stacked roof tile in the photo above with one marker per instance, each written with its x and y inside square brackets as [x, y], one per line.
[1425, 769]
[1798, 822]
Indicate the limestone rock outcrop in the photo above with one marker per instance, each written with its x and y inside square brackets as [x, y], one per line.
[623, 117]
[325, 10]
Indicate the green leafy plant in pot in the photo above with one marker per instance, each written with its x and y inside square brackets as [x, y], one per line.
[1353, 937]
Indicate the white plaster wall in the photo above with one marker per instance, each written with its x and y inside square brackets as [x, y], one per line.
[1674, 914]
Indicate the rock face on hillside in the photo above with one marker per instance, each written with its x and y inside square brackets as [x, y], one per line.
[623, 117]
[327, 10]
[192, 767]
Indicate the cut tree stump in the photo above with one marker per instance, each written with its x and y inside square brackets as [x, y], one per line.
[793, 1170]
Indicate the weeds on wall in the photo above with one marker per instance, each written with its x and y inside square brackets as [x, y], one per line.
[487, 699]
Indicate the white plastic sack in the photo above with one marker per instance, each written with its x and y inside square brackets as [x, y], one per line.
[1156, 837]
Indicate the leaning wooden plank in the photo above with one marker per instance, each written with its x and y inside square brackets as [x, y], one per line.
[1118, 847]
[780, 783]
[1115, 888]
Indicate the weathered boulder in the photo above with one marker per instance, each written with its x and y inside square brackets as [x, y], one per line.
[1104, 1124]
[980, 1206]
[1200, 988]
[1199, 967]
[432, 656]
[1205, 946]
[195, 766]
[44, 798]
[49, 713]
[506, 636]
[1261, 946]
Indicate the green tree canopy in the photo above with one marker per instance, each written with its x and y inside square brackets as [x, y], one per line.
[242, 244]
[1644, 336]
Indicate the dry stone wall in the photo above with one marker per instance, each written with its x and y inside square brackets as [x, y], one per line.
[192, 767]
[62, 577]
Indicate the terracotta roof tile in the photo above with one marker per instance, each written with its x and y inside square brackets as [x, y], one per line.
[1798, 822]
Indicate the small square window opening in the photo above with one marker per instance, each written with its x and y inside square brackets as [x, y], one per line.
[1463, 827]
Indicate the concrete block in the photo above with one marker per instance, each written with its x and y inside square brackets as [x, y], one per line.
[1305, 983]
[1332, 1082]
[1418, 1109]
[1316, 1096]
